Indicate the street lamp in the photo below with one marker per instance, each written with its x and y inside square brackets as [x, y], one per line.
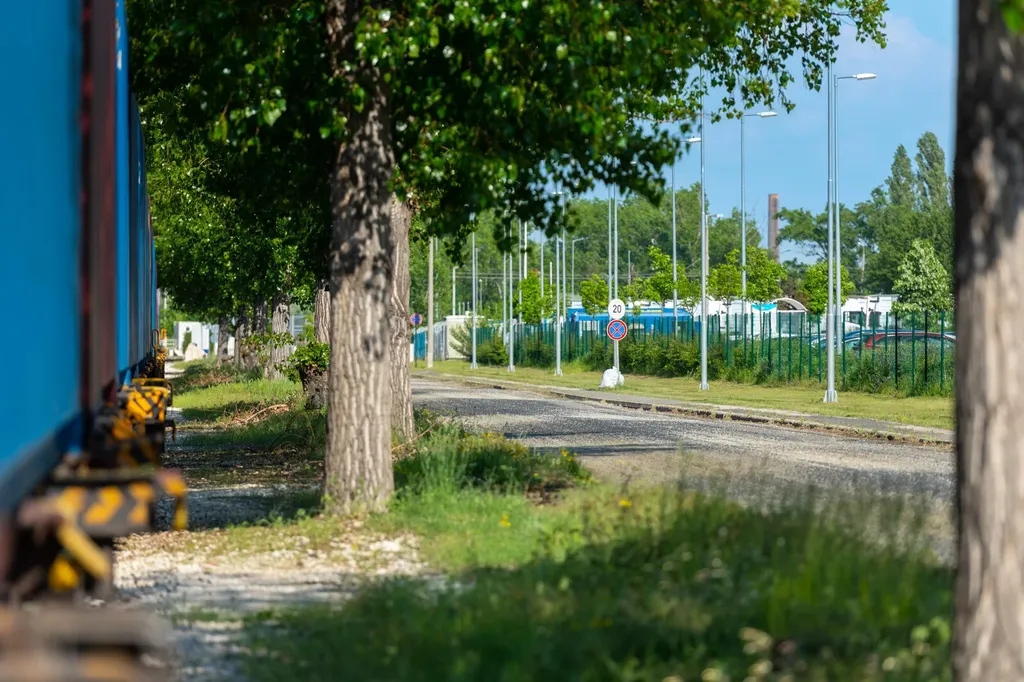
[675, 272]
[743, 212]
[472, 365]
[834, 251]
[840, 327]
[703, 263]
[558, 311]
[704, 317]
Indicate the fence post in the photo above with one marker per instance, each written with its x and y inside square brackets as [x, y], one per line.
[819, 348]
[896, 343]
[913, 352]
[925, 386]
[942, 351]
[789, 344]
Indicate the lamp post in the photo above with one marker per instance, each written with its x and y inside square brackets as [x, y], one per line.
[431, 246]
[703, 263]
[558, 311]
[675, 271]
[840, 326]
[472, 365]
[743, 213]
[834, 250]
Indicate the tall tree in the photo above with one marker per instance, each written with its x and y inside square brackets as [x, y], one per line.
[474, 115]
[922, 284]
[989, 189]
[902, 183]
[814, 290]
[932, 180]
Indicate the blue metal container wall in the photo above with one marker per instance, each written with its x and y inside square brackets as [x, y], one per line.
[40, 253]
[123, 198]
[134, 211]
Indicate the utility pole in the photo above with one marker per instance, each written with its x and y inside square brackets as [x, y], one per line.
[558, 311]
[472, 365]
[675, 273]
[511, 315]
[703, 262]
[430, 302]
[522, 269]
[506, 293]
[615, 281]
[610, 201]
[830, 326]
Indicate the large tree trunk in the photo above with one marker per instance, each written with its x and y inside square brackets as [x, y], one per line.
[401, 389]
[259, 316]
[222, 339]
[278, 355]
[243, 328]
[989, 202]
[322, 312]
[357, 467]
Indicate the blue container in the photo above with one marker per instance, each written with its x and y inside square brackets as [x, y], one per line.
[40, 255]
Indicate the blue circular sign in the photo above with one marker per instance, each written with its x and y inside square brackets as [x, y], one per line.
[416, 319]
[616, 330]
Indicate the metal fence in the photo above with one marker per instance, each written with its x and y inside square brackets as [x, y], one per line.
[911, 354]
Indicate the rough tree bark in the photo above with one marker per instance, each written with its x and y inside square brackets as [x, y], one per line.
[401, 388]
[358, 474]
[243, 329]
[279, 318]
[989, 203]
[222, 339]
[322, 312]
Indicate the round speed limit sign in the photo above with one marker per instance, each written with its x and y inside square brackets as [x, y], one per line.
[616, 309]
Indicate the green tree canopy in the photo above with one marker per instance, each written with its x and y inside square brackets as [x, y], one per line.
[534, 307]
[923, 284]
[725, 282]
[814, 291]
[594, 294]
[764, 276]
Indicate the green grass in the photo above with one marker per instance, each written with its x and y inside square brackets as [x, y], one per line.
[205, 392]
[555, 577]
[933, 411]
[640, 586]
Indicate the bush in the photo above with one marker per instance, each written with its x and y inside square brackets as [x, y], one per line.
[448, 458]
[677, 358]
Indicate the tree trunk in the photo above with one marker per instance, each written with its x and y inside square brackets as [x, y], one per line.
[259, 316]
[222, 339]
[401, 389]
[357, 468]
[989, 189]
[278, 353]
[251, 357]
[322, 312]
[242, 331]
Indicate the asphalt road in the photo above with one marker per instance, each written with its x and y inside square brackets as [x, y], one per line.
[618, 443]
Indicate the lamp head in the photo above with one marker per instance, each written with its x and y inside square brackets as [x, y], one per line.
[864, 76]
[768, 114]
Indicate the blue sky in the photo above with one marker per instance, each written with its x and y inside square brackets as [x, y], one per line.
[914, 93]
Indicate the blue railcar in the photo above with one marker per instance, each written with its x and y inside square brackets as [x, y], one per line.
[83, 406]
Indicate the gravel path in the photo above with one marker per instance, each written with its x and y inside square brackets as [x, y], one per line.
[650, 446]
[750, 462]
[206, 581]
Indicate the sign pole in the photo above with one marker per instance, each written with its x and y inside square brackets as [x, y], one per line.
[430, 304]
